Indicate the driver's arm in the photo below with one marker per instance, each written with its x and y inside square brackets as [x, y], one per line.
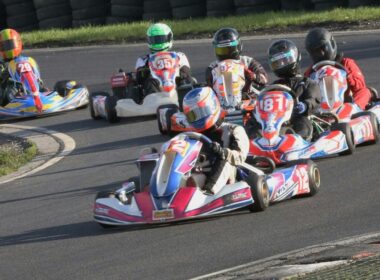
[311, 96]
[239, 147]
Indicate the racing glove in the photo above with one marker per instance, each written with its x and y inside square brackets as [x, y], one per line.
[300, 108]
[218, 150]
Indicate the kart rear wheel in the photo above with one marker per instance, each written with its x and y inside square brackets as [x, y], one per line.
[171, 110]
[260, 192]
[91, 104]
[346, 129]
[110, 104]
[374, 124]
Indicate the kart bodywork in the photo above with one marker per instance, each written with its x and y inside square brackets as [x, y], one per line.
[168, 188]
[27, 99]
[273, 110]
[128, 100]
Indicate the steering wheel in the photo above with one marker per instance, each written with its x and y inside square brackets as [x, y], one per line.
[198, 136]
[280, 87]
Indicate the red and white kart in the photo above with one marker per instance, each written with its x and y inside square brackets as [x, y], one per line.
[228, 77]
[168, 186]
[279, 142]
[364, 125]
[127, 99]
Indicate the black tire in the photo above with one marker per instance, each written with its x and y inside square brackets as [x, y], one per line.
[126, 11]
[184, 3]
[83, 4]
[172, 109]
[60, 87]
[374, 124]
[53, 11]
[192, 11]
[20, 8]
[91, 105]
[46, 3]
[154, 6]
[157, 16]
[249, 3]
[126, 2]
[59, 22]
[90, 13]
[219, 5]
[314, 177]
[346, 129]
[19, 22]
[260, 192]
[111, 114]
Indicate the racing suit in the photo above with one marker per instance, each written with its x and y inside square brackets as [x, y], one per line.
[150, 84]
[308, 93]
[356, 82]
[233, 150]
[253, 73]
[4, 76]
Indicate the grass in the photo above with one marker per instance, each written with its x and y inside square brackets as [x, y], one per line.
[15, 154]
[132, 32]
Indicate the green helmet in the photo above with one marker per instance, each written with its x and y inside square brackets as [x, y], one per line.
[160, 37]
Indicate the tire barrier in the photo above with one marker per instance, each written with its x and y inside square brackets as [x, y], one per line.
[25, 15]
[21, 14]
[125, 11]
[89, 12]
[53, 13]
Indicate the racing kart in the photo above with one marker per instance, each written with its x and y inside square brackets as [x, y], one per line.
[278, 140]
[228, 77]
[25, 97]
[127, 98]
[332, 79]
[168, 186]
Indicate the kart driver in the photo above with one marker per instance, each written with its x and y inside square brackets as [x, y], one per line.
[227, 45]
[231, 143]
[10, 48]
[160, 39]
[284, 60]
[320, 45]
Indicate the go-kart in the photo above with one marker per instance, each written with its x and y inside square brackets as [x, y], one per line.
[228, 77]
[24, 97]
[168, 188]
[127, 98]
[278, 140]
[332, 79]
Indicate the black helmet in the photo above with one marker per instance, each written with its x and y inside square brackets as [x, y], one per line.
[227, 44]
[320, 45]
[284, 58]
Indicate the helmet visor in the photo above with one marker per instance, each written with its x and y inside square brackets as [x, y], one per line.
[226, 51]
[281, 60]
[7, 45]
[198, 113]
[160, 39]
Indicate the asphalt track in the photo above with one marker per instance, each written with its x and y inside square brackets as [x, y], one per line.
[46, 227]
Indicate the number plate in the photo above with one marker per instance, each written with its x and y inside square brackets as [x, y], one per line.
[166, 214]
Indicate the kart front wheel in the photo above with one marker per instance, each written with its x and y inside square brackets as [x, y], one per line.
[374, 124]
[110, 104]
[260, 192]
[314, 177]
[346, 129]
[91, 103]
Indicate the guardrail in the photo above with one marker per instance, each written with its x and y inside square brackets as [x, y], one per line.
[26, 15]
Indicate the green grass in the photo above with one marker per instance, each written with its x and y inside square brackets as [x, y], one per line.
[13, 155]
[132, 32]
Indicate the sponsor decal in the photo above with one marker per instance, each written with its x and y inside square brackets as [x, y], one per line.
[238, 196]
[162, 215]
[101, 210]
